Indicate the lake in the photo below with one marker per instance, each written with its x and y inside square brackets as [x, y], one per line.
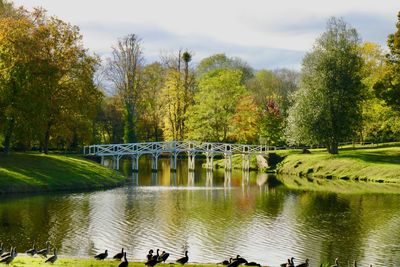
[213, 215]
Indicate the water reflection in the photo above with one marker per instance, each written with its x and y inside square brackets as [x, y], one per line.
[214, 215]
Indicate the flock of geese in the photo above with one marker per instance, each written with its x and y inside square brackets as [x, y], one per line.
[152, 260]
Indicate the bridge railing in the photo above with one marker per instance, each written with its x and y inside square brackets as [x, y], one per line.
[175, 147]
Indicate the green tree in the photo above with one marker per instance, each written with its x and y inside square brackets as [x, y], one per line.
[177, 95]
[221, 61]
[210, 118]
[388, 87]
[150, 104]
[327, 107]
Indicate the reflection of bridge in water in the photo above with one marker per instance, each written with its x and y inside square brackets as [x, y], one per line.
[173, 149]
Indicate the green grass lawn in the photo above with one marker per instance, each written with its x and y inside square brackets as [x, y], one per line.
[34, 172]
[380, 164]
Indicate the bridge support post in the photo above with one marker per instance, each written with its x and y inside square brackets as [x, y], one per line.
[115, 162]
[209, 161]
[228, 161]
[191, 179]
[209, 178]
[135, 162]
[245, 162]
[154, 162]
[191, 161]
[173, 162]
[102, 160]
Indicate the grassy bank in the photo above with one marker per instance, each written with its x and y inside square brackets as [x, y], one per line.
[380, 164]
[236, 162]
[34, 172]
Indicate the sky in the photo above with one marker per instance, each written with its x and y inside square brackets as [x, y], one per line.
[267, 34]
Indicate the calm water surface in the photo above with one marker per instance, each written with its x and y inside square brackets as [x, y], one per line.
[213, 216]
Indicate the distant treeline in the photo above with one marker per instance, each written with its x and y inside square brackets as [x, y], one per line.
[54, 94]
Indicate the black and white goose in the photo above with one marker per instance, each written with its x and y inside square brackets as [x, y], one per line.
[304, 264]
[43, 252]
[101, 256]
[183, 260]
[8, 259]
[53, 258]
[125, 262]
[163, 257]
[119, 255]
[32, 251]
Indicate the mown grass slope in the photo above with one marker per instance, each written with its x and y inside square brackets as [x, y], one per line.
[34, 172]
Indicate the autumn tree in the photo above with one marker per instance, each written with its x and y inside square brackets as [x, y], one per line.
[124, 70]
[177, 95]
[327, 107]
[388, 87]
[219, 92]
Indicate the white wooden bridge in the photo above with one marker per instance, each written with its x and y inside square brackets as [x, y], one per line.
[173, 149]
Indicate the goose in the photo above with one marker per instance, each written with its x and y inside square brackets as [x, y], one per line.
[226, 262]
[101, 256]
[32, 251]
[183, 260]
[336, 263]
[155, 257]
[304, 264]
[7, 253]
[53, 258]
[125, 262]
[163, 257]
[150, 255]
[235, 263]
[8, 259]
[43, 252]
[119, 255]
[252, 263]
[239, 259]
[153, 261]
[289, 263]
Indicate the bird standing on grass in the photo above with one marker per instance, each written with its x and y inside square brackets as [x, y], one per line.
[8, 259]
[32, 251]
[163, 257]
[43, 252]
[150, 255]
[101, 256]
[183, 260]
[6, 253]
[125, 262]
[53, 258]
[119, 255]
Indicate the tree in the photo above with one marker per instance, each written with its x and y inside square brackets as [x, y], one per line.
[177, 95]
[221, 61]
[210, 118]
[124, 71]
[150, 102]
[245, 120]
[388, 87]
[327, 107]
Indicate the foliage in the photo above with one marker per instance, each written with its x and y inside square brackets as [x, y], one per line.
[388, 87]
[124, 71]
[177, 96]
[210, 118]
[221, 61]
[327, 106]
[271, 124]
[245, 121]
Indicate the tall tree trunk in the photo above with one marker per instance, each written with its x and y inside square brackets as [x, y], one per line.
[8, 135]
[129, 126]
[46, 139]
